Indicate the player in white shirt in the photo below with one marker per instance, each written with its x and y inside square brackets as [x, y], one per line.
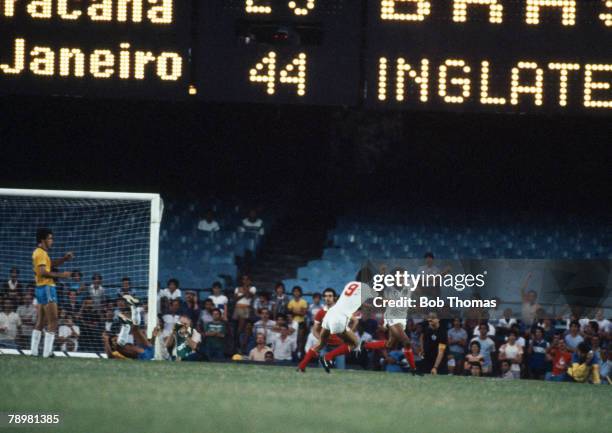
[337, 321]
[395, 321]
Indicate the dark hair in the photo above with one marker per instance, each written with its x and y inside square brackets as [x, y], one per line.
[539, 328]
[279, 284]
[173, 281]
[583, 347]
[575, 323]
[513, 332]
[126, 279]
[96, 276]
[208, 300]
[216, 284]
[281, 316]
[77, 272]
[476, 343]
[329, 289]
[217, 310]
[594, 325]
[298, 288]
[316, 295]
[505, 361]
[15, 270]
[428, 255]
[42, 234]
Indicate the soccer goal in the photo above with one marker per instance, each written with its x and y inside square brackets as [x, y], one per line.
[115, 241]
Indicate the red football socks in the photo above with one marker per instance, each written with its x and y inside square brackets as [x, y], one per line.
[310, 355]
[375, 345]
[341, 350]
[410, 357]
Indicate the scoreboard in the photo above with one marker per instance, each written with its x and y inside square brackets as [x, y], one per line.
[108, 48]
[283, 51]
[490, 55]
[541, 56]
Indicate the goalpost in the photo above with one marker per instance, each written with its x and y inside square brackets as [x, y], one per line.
[115, 240]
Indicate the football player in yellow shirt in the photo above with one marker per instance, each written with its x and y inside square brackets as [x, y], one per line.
[46, 296]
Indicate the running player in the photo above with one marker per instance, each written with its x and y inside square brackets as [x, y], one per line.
[117, 347]
[337, 320]
[395, 321]
[46, 295]
[329, 299]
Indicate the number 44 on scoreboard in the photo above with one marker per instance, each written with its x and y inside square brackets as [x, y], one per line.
[294, 73]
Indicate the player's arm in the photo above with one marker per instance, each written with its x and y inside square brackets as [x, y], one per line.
[42, 271]
[353, 322]
[67, 257]
[316, 330]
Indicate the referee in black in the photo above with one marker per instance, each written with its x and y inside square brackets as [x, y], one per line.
[434, 346]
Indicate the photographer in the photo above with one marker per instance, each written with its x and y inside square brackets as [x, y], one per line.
[184, 340]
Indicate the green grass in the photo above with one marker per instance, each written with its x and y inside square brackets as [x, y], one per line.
[148, 397]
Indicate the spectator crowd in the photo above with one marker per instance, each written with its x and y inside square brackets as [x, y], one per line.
[246, 323]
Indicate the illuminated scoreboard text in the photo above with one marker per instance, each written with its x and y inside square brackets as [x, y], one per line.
[280, 51]
[464, 55]
[94, 47]
[500, 55]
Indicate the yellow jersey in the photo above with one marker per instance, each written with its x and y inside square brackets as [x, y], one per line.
[40, 257]
[297, 306]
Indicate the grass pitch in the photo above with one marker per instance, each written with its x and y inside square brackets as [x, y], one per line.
[133, 397]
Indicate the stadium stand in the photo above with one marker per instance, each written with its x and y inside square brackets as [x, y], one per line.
[198, 258]
[359, 237]
[201, 257]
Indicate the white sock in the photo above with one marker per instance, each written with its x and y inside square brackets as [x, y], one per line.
[124, 334]
[34, 342]
[135, 315]
[48, 346]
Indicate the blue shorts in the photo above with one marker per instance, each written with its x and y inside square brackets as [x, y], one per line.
[45, 295]
[148, 353]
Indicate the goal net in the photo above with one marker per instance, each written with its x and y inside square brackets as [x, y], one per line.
[114, 238]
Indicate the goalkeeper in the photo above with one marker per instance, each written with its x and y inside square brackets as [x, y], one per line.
[46, 295]
[117, 346]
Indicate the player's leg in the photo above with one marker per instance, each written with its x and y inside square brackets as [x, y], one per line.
[140, 338]
[351, 341]
[133, 302]
[397, 333]
[313, 352]
[51, 319]
[310, 356]
[38, 327]
[323, 338]
[130, 351]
